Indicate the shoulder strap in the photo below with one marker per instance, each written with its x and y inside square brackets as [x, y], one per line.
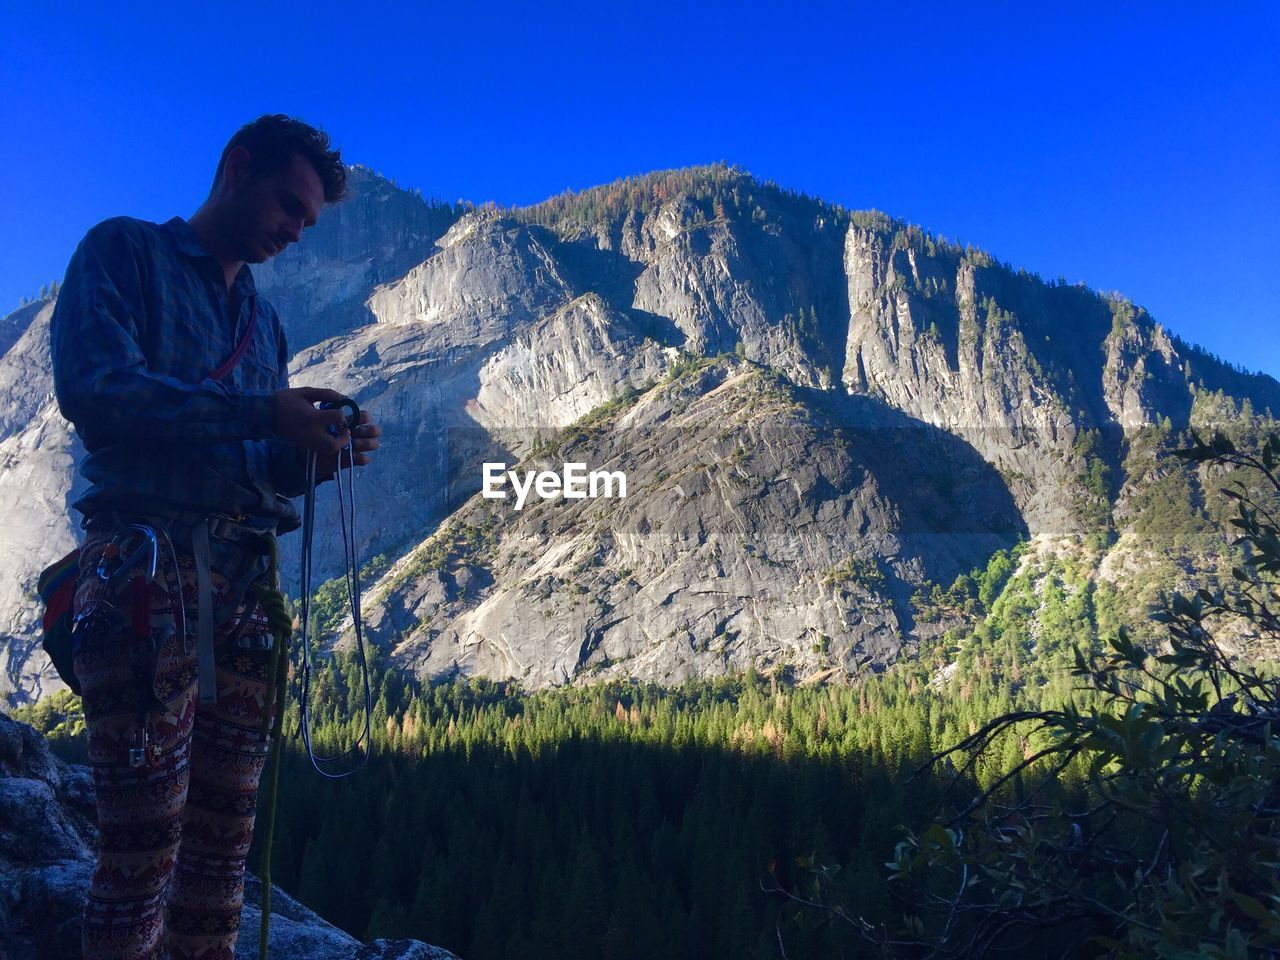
[230, 363]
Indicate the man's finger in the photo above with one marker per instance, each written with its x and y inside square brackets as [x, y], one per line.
[332, 416]
[317, 394]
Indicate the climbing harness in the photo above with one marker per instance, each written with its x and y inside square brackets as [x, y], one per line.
[130, 558]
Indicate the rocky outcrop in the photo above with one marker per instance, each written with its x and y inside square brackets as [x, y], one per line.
[1144, 377]
[763, 524]
[47, 839]
[15, 324]
[38, 454]
[1019, 368]
[489, 275]
[476, 352]
[936, 337]
[722, 285]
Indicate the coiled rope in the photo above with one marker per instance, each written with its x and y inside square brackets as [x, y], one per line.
[267, 591]
[351, 577]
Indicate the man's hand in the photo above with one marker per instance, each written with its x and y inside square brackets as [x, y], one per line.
[299, 422]
[364, 441]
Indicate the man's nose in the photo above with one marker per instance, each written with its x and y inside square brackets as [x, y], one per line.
[294, 231]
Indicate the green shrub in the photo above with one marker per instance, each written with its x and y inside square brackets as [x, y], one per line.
[1144, 822]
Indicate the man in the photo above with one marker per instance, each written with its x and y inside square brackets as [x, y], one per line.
[173, 372]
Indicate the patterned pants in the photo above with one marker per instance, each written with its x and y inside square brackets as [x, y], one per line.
[175, 829]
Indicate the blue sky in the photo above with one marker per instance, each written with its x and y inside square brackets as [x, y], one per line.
[1135, 147]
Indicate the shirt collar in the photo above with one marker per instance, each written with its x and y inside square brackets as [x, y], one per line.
[187, 242]
[185, 238]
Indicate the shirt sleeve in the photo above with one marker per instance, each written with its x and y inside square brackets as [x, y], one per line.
[100, 374]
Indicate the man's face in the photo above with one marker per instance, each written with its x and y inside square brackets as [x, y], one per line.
[271, 211]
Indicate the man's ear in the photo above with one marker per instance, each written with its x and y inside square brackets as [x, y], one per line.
[235, 171]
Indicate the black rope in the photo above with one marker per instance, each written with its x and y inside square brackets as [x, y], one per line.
[347, 509]
[274, 604]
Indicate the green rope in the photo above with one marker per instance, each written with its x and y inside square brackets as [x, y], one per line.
[267, 591]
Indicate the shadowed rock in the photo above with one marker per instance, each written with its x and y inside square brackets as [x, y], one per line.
[47, 841]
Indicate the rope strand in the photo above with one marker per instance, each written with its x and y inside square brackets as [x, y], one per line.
[280, 619]
[351, 578]
[281, 624]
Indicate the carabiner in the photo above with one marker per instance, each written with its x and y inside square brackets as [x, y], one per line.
[353, 420]
[129, 562]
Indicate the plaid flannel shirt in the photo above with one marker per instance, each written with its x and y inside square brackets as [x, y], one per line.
[143, 317]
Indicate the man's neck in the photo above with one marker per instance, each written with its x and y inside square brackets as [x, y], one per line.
[204, 223]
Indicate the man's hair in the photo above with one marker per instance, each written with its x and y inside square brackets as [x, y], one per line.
[273, 139]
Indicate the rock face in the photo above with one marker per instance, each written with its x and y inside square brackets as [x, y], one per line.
[15, 324]
[47, 840]
[983, 404]
[476, 351]
[764, 524]
[38, 454]
[928, 336]
[722, 283]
